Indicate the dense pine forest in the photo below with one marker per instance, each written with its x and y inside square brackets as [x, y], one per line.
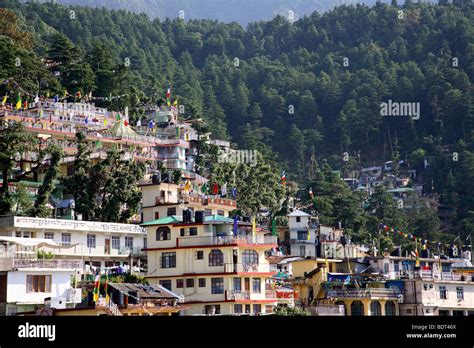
[307, 93]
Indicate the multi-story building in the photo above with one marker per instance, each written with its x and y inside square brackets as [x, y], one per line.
[218, 271]
[160, 199]
[96, 244]
[437, 287]
[26, 281]
[302, 234]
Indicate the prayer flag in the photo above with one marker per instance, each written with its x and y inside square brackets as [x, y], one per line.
[96, 288]
[18, 102]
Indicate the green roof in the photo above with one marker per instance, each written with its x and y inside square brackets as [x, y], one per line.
[217, 218]
[174, 219]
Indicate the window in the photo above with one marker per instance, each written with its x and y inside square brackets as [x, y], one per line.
[193, 231]
[129, 242]
[115, 242]
[216, 258]
[460, 293]
[298, 219]
[257, 308]
[212, 309]
[357, 308]
[302, 250]
[202, 282]
[179, 283]
[157, 215]
[181, 232]
[247, 308]
[38, 283]
[199, 255]
[386, 268]
[207, 212]
[375, 308]
[217, 285]
[163, 233]
[48, 235]
[145, 242]
[302, 235]
[396, 267]
[190, 283]
[390, 308]
[237, 284]
[443, 293]
[166, 284]
[18, 234]
[250, 257]
[171, 211]
[91, 240]
[66, 239]
[168, 260]
[257, 285]
[220, 212]
[238, 309]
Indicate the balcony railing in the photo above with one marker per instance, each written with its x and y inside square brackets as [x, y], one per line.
[193, 198]
[236, 295]
[429, 274]
[227, 240]
[165, 200]
[30, 263]
[373, 293]
[323, 310]
[248, 268]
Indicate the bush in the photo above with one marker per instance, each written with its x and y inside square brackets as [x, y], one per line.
[291, 311]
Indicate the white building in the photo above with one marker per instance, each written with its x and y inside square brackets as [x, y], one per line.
[25, 283]
[97, 244]
[302, 234]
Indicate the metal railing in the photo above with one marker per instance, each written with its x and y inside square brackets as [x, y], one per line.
[42, 263]
[234, 295]
[226, 240]
[365, 293]
[322, 310]
[248, 268]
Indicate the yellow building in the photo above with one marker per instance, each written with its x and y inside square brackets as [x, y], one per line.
[218, 269]
[307, 276]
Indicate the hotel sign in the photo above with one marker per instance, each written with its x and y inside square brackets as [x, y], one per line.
[76, 225]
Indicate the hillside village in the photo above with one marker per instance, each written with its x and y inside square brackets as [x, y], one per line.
[186, 250]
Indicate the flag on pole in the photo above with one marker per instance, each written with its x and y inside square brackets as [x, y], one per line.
[254, 227]
[235, 225]
[175, 103]
[96, 288]
[311, 195]
[274, 228]
[18, 102]
[56, 98]
[309, 234]
[4, 100]
[139, 123]
[106, 287]
[37, 99]
[118, 117]
[151, 124]
[168, 93]
[224, 189]
[283, 178]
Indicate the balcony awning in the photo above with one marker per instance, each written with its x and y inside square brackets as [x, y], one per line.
[35, 242]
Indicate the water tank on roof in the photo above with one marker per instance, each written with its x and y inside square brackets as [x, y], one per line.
[199, 216]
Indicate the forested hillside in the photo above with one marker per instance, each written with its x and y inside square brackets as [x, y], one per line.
[240, 11]
[291, 90]
[299, 92]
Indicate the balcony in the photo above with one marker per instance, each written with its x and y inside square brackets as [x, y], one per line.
[30, 263]
[165, 200]
[227, 240]
[371, 293]
[237, 295]
[327, 310]
[249, 268]
[200, 200]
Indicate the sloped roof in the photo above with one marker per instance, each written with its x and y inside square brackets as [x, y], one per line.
[145, 291]
[298, 213]
[173, 219]
[120, 129]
